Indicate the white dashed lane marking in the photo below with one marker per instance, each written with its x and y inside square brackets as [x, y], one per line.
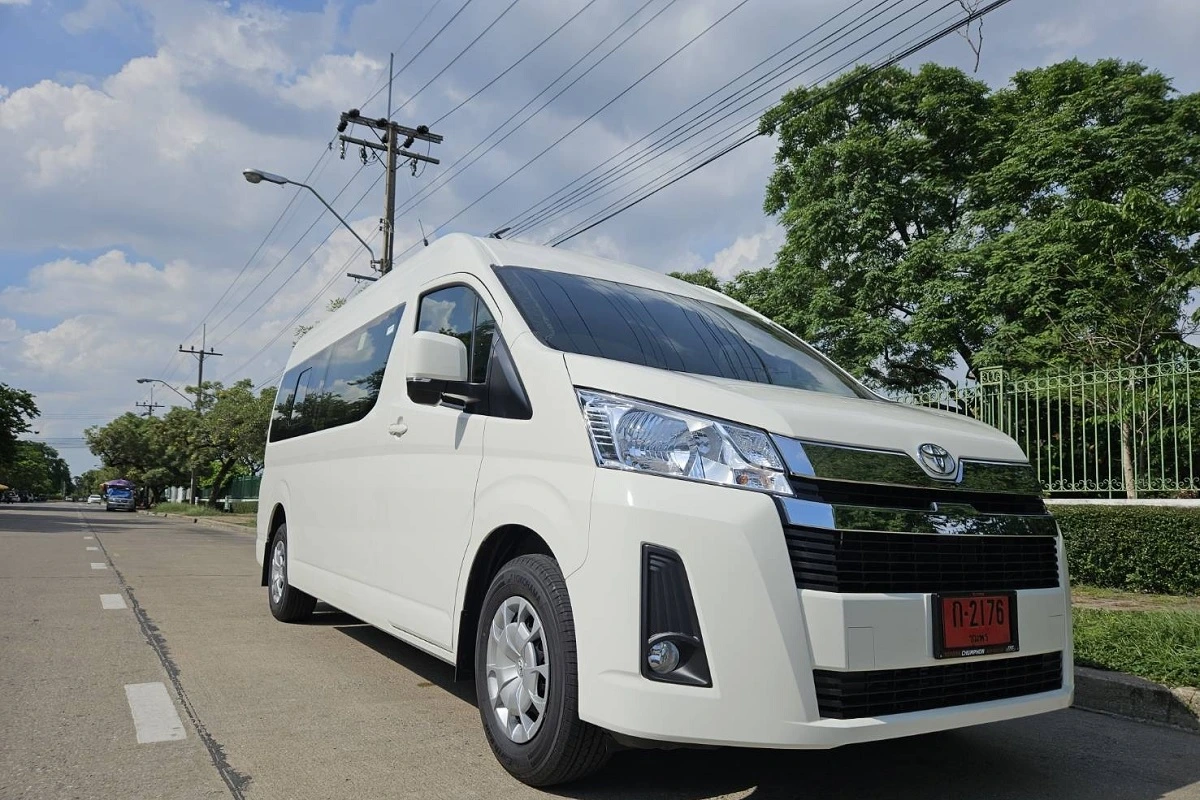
[99, 565]
[112, 601]
[92, 548]
[154, 715]
[89, 538]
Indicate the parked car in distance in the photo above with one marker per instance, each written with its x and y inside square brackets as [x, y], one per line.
[639, 514]
[94, 499]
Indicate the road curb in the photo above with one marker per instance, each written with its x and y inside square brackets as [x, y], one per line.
[1136, 698]
[212, 523]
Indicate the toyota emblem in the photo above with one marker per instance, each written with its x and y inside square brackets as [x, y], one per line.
[937, 461]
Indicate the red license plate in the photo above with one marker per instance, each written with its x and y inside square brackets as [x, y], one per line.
[974, 624]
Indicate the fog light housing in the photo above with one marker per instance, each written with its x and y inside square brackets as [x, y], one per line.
[672, 647]
[663, 657]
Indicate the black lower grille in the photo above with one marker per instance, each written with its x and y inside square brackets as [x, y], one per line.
[854, 695]
[867, 561]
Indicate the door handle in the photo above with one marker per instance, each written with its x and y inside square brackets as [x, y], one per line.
[398, 428]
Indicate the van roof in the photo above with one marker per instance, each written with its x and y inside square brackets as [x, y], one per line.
[475, 252]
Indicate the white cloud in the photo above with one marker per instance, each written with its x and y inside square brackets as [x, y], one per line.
[751, 252]
[1066, 35]
[9, 330]
[14, 2]
[95, 14]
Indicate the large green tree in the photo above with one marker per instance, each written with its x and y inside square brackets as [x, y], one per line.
[931, 221]
[228, 438]
[17, 410]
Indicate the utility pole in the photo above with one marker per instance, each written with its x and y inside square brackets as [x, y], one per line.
[198, 404]
[151, 405]
[200, 354]
[387, 133]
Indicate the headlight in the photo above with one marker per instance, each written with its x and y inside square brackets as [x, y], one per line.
[643, 437]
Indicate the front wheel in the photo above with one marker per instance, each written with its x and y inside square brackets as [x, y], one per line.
[288, 604]
[526, 677]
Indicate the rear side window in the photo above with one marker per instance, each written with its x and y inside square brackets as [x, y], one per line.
[338, 385]
[595, 317]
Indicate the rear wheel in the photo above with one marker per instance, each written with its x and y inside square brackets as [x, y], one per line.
[288, 604]
[526, 678]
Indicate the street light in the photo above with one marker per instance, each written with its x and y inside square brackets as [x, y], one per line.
[169, 386]
[258, 176]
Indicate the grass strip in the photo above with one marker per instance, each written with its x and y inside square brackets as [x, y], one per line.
[1162, 646]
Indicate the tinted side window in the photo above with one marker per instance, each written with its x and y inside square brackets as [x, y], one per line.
[355, 373]
[284, 398]
[457, 311]
[338, 385]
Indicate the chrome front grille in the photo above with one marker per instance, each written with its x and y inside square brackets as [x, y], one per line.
[985, 530]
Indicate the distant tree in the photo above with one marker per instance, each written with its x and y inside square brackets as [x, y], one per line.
[37, 468]
[331, 306]
[136, 448]
[704, 277]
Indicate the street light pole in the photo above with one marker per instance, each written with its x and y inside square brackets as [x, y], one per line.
[258, 176]
[191, 401]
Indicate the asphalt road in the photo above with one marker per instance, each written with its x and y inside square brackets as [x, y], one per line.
[335, 709]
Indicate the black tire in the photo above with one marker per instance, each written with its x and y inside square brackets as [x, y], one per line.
[563, 748]
[291, 604]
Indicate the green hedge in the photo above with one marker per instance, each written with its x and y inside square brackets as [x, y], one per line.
[1135, 548]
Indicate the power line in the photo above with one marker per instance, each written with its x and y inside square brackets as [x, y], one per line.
[301, 265]
[454, 60]
[417, 55]
[753, 118]
[529, 217]
[821, 96]
[411, 34]
[297, 316]
[591, 116]
[704, 147]
[707, 126]
[429, 190]
[515, 64]
[325, 151]
[283, 258]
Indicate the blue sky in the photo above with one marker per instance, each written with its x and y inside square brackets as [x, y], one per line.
[125, 124]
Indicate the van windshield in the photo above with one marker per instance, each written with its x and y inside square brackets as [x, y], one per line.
[595, 317]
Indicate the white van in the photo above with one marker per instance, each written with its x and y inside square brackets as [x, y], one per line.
[639, 513]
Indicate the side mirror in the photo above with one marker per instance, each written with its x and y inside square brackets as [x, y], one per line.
[436, 357]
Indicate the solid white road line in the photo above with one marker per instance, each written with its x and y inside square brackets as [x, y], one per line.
[154, 715]
[91, 548]
[112, 601]
[98, 565]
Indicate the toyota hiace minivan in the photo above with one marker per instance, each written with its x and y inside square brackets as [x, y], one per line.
[637, 513]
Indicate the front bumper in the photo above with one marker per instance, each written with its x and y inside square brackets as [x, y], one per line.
[762, 636]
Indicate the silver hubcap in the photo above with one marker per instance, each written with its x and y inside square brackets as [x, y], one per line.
[278, 561]
[518, 669]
